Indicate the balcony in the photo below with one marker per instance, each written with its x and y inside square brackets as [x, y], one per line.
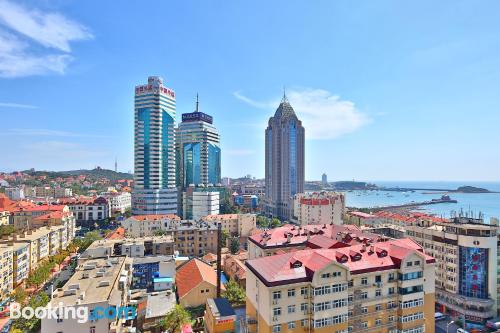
[477, 307]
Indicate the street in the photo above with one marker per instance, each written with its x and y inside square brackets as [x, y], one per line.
[441, 327]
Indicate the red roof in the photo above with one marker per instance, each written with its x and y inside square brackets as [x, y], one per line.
[192, 273]
[119, 233]
[290, 235]
[300, 265]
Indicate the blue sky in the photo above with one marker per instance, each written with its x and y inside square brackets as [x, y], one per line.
[386, 90]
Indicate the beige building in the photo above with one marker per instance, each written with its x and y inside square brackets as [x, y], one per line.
[235, 224]
[4, 217]
[466, 252]
[6, 271]
[318, 208]
[96, 283]
[387, 287]
[21, 262]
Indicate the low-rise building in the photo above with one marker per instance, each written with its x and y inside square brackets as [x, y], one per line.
[219, 316]
[235, 224]
[147, 225]
[87, 210]
[15, 193]
[153, 273]
[131, 247]
[157, 307]
[119, 202]
[318, 208]
[196, 282]
[361, 218]
[197, 204]
[235, 269]
[97, 284]
[384, 287]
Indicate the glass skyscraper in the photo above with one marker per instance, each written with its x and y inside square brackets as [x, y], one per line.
[198, 150]
[284, 167]
[154, 149]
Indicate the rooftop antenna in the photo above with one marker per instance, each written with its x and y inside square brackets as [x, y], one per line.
[116, 164]
[197, 103]
[284, 94]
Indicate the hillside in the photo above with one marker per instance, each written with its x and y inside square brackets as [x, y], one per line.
[93, 174]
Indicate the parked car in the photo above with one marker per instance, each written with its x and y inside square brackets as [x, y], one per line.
[439, 316]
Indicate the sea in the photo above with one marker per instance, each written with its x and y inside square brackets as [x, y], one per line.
[472, 204]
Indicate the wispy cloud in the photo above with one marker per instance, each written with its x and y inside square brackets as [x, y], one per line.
[47, 132]
[30, 27]
[17, 105]
[325, 115]
[239, 152]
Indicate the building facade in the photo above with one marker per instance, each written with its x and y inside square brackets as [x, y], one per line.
[197, 204]
[318, 208]
[387, 287]
[466, 253]
[198, 150]
[154, 149]
[284, 161]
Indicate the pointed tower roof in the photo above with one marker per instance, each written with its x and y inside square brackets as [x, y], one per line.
[285, 110]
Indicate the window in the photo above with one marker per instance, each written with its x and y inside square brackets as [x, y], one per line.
[378, 292]
[378, 322]
[391, 291]
[92, 329]
[409, 264]
[364, 310]
[276, 328]
[325, 275]
[291, 292]
[276, 311]
[378, 278]
[364, 324]
[291, 309]
[390, 319]
[276, 294]
[291, 325]
[303, 307]
[416, 263]
[304, 322]
[364, 281]
[303, 291]
[391, 277]
[378, 307]
[364, 295]
[391, 305]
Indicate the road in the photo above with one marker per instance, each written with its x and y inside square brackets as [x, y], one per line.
[441, 327]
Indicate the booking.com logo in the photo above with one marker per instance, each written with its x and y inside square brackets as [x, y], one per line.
[81, 314]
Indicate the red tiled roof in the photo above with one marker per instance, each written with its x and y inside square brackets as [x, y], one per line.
[362, 215]
[289, 235]
[192, 273]
[53, 215]
[119, 233]
[218, 217]
[279, 269]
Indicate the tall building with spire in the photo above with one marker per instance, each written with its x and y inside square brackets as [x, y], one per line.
[284, 160]
[198, 150]
[154, 149]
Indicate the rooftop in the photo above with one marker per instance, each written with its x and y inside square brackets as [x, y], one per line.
[299, 266]
[290, 235]
[159, 304]
[220, 307]
[192, 273]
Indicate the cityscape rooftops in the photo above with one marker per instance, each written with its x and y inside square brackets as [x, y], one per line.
[155, 217]
[94, 281]
[159, 304]
[192, 273]
[299, 266]
[220, 307]
[291, 235]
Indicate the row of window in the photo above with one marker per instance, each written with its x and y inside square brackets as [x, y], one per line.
[322, 306]
[411, 317]
[330, 289]
[331, 275]
[411, 276]
[330, 321]
[412, 303]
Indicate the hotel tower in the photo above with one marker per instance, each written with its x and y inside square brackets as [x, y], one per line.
[284, 161]
[154, 149]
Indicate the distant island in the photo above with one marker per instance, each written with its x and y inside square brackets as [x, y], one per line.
[471, 189]
[355, 185]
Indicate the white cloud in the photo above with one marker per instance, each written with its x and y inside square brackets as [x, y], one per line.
[29, 27]
[324, 115]
[48, 29]
[17, 105]
[239, 152]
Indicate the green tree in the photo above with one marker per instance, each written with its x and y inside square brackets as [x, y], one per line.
[20, 295]
[275, 222]
[234, 245]
[262, 222]
[225, 236]
[6, 230]
[33, 324]
[234, 293]
[160, 233]
[175, 319]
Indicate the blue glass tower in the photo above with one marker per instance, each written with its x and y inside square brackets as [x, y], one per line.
[154, 149]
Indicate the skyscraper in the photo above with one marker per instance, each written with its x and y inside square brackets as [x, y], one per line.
[198, 150]
[284, 161]
[154, 148]
[324, 179]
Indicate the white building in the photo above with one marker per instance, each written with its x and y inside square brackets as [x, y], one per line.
[96, 283]
[318, 208]
[154, 149]
[199, 204]
[119, 202]
[15, 193]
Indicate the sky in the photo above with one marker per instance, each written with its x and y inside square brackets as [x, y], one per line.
[386, 90]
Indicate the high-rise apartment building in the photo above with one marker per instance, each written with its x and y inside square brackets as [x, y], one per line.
[324, 179]
[318, 208]
[198, 150]
[154, 148]
[284, 167]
